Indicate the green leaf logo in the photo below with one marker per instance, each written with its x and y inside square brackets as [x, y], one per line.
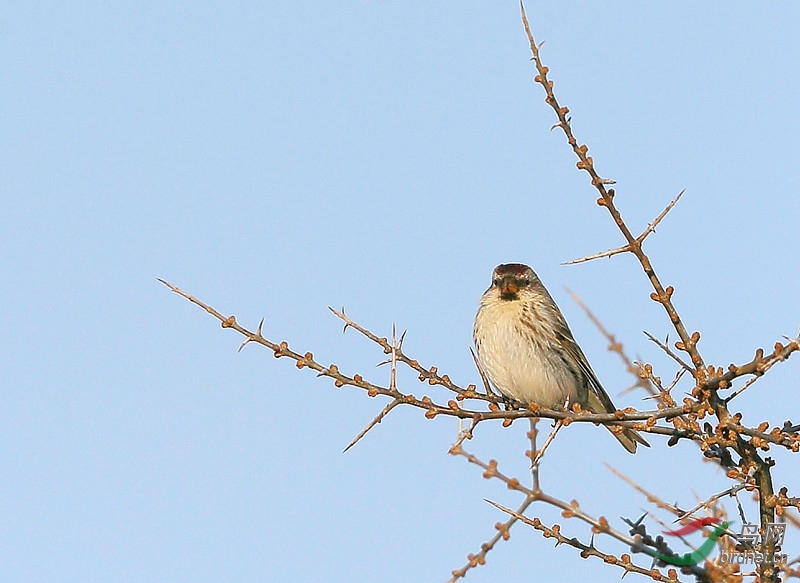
[701, 553]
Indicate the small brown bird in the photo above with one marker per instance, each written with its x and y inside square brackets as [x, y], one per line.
[526, 349]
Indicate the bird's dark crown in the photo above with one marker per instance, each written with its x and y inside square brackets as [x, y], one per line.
[512, 269]
[510, 278]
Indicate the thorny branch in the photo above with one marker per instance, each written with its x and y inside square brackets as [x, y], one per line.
[732, 445]
[640, 420]
[570, 509]
[690, 429]
[642, 381]
[708, 379]
[661, 295]
[651, 228]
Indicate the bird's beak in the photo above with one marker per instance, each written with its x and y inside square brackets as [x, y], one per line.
[509, 288]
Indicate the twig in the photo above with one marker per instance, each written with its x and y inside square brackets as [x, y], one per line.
[614, 345]
[533, 434]
[503, 532]
[627, 248]
[742, 389]
[586, 550]
[585, 162]
[669, 352]
[651, 228]
[378, 418]
[600, 255]
[484, 378]
[538, 454]
[431, 375]
[627, 418]
[711, 499]
[652, 498]
[758, 366]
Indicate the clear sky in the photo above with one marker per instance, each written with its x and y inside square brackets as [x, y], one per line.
[278, 158]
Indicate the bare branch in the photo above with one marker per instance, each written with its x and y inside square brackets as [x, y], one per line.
[586, 550]
[608, 253]
[425, 374]
[585, 162]
[651, 228]
[484, 378]
[378, 418]
[614, 345]
[722, 437]
[758, 366]
[627, 248]
[503, 532]
[669, 352]
[652, 498]
[537, 456]
[712, 499]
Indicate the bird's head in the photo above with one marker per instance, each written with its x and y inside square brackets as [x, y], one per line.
[511, 279]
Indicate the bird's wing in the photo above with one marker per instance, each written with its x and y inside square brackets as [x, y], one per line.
[567, 342]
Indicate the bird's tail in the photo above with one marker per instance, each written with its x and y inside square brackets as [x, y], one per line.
[628, 438]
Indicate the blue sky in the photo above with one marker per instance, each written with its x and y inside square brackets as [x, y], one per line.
[278, 158]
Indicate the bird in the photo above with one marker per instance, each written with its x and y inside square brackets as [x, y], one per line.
[527, 351]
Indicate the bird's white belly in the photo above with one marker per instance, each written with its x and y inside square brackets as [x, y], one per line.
[517, 366]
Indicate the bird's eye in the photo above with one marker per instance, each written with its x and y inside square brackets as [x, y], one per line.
[496, 281]
[524, 282]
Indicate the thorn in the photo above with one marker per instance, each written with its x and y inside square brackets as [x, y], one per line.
[378, 418]
[665, 347]
[634, 524]
[342, 316]
[608, 253]
[651, 228]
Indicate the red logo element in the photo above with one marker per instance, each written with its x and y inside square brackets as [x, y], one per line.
[693, 526]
